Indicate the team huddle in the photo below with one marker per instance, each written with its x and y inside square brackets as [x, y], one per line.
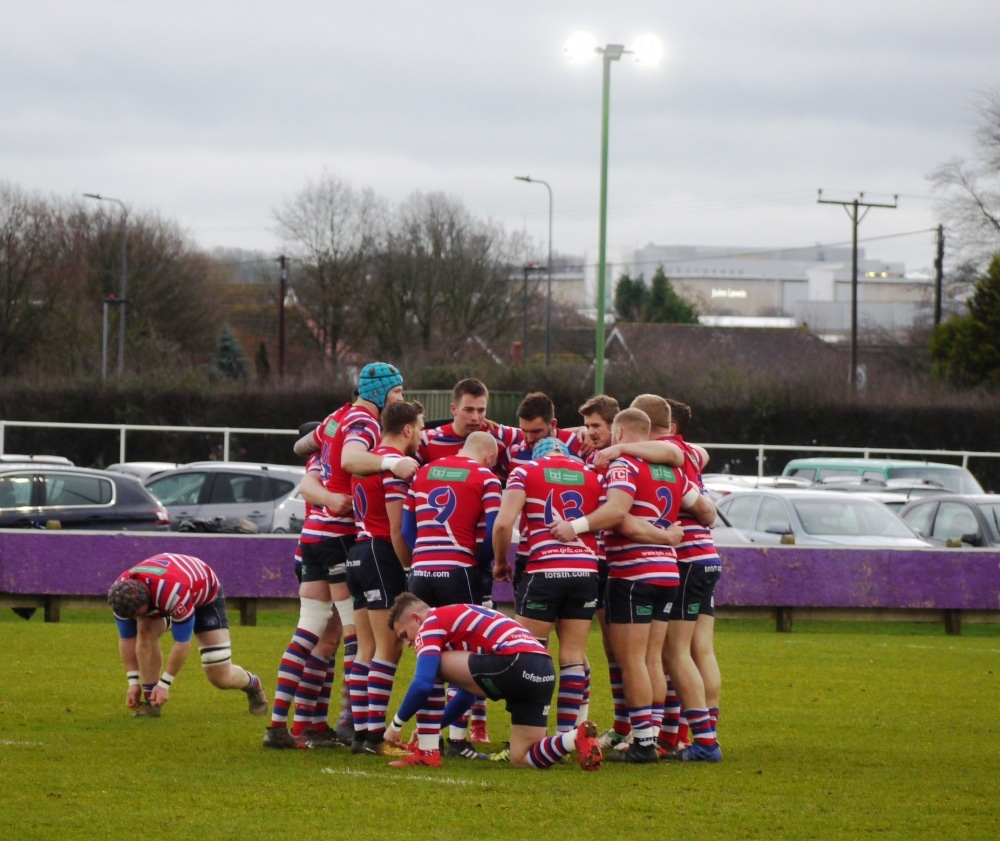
[406, 530]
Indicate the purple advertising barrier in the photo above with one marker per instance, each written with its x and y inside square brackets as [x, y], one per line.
[87, 563]
[52, 563]
[790, 576]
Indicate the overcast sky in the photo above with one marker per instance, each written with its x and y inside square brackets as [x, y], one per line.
[215, 113]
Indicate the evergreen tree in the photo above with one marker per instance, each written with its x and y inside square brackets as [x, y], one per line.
[229, 360]
[630, 298]
[665, 305]
[966, 349]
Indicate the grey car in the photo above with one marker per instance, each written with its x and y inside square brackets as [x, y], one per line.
[972, 519]
[226, 489]
[817, 518]
[42, 494]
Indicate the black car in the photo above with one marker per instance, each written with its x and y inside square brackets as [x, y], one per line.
[48, 495]
[973, 519]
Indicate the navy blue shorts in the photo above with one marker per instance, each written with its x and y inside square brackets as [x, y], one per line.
[525, 681]
[326, 560]
[211, 616]
[696, 596]
[374, 574]
[637, 603]
[548, 596]
[458, 585]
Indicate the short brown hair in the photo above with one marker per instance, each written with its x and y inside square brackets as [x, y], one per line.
[470, 386]
[601, 404]
[656, 407]
[537, 405]
[633, 419]
[397, 415]
[405, 602]
[681, 415]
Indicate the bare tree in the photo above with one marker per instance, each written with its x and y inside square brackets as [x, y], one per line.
[444, 278]
[30, 280]
[971, 188]
[174, 313]
[333, 231]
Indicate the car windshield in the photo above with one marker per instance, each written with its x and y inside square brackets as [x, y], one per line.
[957, 479]
[848, 517]
[992, 512]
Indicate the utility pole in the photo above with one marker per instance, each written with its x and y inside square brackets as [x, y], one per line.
[851, 207]
[282, 291]
[938, 275]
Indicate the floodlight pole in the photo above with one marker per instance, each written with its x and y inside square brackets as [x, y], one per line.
[548, 299]
[612, 52]
[122, 299]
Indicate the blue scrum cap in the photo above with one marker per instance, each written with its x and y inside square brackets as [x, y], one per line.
[377, 380]
[548, 446]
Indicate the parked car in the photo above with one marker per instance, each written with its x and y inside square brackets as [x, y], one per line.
[41, 494]
[290, 516]
[719, 485]
[205, 490]
[726, 534]
[974, 520]
[894, 493]
[952, 476]
[19, 459]
[142, 470]
[816, 518]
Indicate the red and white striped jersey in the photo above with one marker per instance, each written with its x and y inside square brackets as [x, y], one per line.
[177, 584]
[657, 493]
[468, 627]
[560, 486]
[371, 494]
[451, 498]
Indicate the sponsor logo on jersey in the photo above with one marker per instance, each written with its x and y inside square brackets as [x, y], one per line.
[149, 570]
[558, 476]
[448, 474]
[331, 428]
[662, 473]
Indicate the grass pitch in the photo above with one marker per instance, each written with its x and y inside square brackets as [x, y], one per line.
[839, 730]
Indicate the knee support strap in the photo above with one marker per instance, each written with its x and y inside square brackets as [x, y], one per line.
[345, 607]
[216, 655]
[313, 615]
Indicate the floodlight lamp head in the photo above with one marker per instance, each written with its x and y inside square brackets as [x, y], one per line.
[612, 52]
[648, 49]
[581, 46]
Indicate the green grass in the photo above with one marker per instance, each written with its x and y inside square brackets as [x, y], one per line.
[839, 730]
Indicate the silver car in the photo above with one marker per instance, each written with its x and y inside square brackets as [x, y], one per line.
[817, 518]
[227, 489]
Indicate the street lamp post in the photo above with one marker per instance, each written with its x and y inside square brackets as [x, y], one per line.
[122, 300]
[548, 300]
[648, 50]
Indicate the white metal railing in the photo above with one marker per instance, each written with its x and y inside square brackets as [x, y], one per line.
[124, 428]
[761, 450]
[864, 452]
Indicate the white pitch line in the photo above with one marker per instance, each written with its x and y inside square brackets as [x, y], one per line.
[446, 780]
[18, 742]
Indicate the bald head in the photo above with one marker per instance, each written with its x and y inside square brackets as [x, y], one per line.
[481, 447]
